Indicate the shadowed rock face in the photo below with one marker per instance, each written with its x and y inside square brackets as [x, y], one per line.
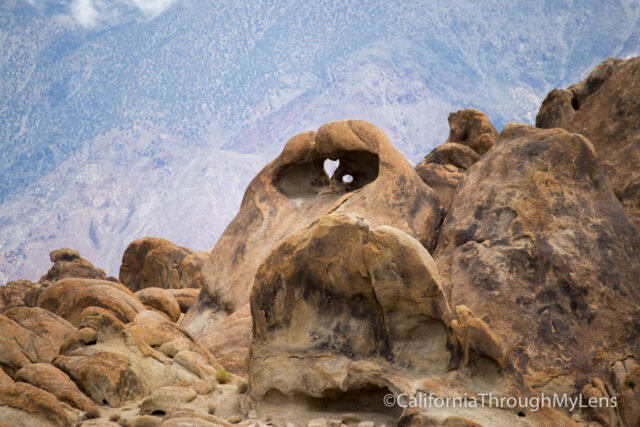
[293, 191]
[341, 307]
[605, 107]
[537, 244]
[471, 135]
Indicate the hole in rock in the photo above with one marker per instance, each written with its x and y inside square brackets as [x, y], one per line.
[92, 342]
[367, 402]
[350, 171]
[347, 179]
[159, 413]
[574, 103]
[521, 414]
[330, 166]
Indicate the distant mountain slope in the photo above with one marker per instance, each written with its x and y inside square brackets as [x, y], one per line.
[223, 79]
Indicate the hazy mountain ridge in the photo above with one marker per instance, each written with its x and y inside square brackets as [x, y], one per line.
[238, 78]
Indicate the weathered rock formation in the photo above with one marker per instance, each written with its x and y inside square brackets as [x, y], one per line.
[372, 180]
[69, 297]
[471, 135]
[538, 246]
[114, 348]
[155, 262]
[340, 307]
[68, 263]
[605, 108]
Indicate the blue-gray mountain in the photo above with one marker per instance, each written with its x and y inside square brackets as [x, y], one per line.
[131, 123]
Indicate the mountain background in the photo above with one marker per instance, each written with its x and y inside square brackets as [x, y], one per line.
[126, 118]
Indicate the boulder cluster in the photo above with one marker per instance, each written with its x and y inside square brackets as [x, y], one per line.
[504, 264]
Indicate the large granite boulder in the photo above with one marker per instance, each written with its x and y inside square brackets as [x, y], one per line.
[69, 297]
[372, 180]
[156, 262]
[49, 378]
[538, 246]
[23, 405]
[605, 107]
[30, 335]
[345, 310]
[160, 300]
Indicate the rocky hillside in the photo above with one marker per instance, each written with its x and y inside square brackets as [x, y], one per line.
[502, 269]
[148, 100]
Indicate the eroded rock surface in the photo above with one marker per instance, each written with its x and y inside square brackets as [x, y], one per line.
[372, 180]
[156, 262]
[68, 263]
[470, 136]
[69, 297]
[538, 246]
[115, 363]
[25, 405]
[605, 107]
[341, 307]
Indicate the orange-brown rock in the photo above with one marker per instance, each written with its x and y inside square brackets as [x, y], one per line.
[472, 128]
[538, 246]
[626, 383]
[160, 300]
[23, 405]
[156, 262]
[605, 107]
[20, 347]
[68, 263]
[49, 378]
[69, 297]
[14, 294]
[115, 363]
[232, 346]
[341, 307]
[344, 291]
[185, 297]
[372, 180]
[47, 325]
[471, 135]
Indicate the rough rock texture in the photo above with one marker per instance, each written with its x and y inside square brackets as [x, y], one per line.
[605, 107]
[185, 297]
[69, 297]
[49, 378]
[471, 128]
[155, 262]
[45, 324]
[25, 405]
[160, 300]
[14, 294]
[68, 263]
[340, 307]
[626, 383]
[471, 135]
[20, 347]
[293, 191]
[115, 363]
[537, 245]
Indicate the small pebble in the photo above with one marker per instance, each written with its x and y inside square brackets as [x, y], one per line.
[350, 419]
[318, 422]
